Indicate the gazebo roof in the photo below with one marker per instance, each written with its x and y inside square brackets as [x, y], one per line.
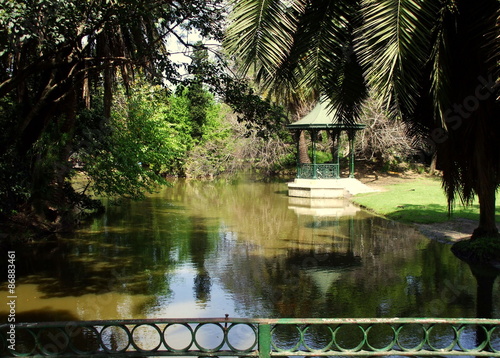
[321, 117]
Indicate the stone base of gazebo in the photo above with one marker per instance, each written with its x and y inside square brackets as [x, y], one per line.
[322, 207]
[326, 188]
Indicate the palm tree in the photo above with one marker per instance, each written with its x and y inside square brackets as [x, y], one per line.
[434, 62]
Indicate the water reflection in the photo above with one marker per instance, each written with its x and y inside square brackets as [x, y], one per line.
[199, 245]
[207, 249]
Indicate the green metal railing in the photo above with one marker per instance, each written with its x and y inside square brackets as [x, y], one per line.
[318, 171]
[254, 337]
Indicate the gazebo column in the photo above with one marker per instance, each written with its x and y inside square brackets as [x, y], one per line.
[314, 135]
[337, 149]
[297, 141]
[351, 134]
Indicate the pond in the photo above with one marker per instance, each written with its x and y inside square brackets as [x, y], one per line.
[206, 249]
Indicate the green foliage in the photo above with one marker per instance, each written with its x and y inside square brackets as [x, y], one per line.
[260, 116]
[53, 56]
[135, 146]
[199, 98]
[321, 157]
[14, 182]
[197, 101]
[214, 153]
[482, 251]
[198, 138]
[150, 134]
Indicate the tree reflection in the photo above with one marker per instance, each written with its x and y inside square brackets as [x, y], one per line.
[199, 246]
[485, 275]
[190, 245]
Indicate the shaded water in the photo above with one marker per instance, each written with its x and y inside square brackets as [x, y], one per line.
[209, 249]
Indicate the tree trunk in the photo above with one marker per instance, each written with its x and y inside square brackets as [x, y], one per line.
[334, 149]
[433, 166]
[303, 155]
[487, 225]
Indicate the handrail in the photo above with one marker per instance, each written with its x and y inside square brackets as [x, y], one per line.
[318, 171]
[243, 337]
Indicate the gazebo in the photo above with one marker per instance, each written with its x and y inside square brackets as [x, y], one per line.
[322, 181]
[321, 118]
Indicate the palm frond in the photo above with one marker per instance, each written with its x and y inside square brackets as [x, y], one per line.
[346, 86]
[318, 46]
[322, 59]
[300, 49]
[466, 59]
[347, 91]
[261, 33]
[394, 44]
[322, 40]
[441, 63]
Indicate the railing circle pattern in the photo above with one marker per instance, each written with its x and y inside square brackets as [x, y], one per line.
[291, 345]
[83, 336]
[243, 338]
[340, 341]
[411, 332]
[494, 339]
[308, 347]
[382, 348]
[155, 331]
[252, 343]
[215, 337]
[47, 347]
[427, 338]
[115, 338]
[166, 334]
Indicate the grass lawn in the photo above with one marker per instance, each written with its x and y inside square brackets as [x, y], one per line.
[419, 200]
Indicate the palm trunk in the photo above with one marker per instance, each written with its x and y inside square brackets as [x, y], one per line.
[487, 225]
[303, 155]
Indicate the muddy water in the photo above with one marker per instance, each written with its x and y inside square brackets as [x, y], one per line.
[247, 250]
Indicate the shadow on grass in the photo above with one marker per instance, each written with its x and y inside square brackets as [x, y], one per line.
[432, 213]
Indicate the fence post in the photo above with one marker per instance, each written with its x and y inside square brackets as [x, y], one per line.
[264, 340]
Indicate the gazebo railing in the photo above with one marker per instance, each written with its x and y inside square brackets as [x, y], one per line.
[318, 171]
[240, 337]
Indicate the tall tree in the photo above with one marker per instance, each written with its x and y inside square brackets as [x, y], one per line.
[434, 62]
[55, 55]
[198, 97]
